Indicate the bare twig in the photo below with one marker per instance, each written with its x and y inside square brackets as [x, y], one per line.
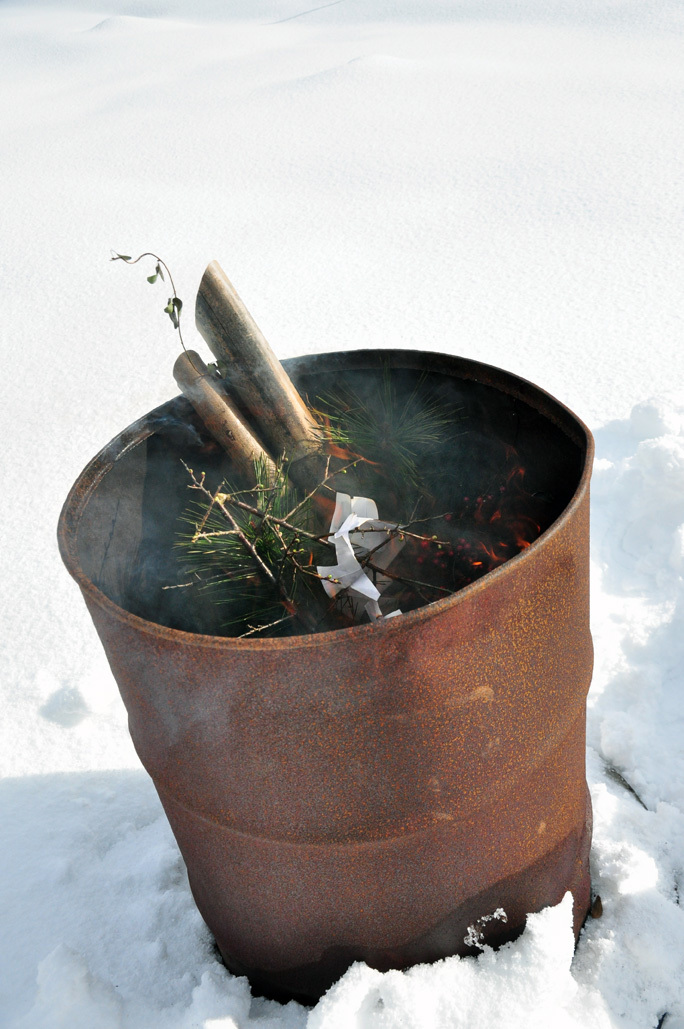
[408, 582]
[300, 505]
[323, 484]
[428, 518]
[286, 553]
[249, 547]
[200, 527]
[262, 628]
[212, 534]
[272, 519]
[312, 573]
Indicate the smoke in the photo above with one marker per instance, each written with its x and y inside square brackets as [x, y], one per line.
[474, 473]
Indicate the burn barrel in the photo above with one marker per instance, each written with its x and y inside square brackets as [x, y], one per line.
[379, 792]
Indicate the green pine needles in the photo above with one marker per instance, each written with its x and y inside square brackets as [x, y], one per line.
[393, 433]
[254, 552]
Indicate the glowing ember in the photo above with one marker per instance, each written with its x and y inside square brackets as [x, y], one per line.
[474, 538]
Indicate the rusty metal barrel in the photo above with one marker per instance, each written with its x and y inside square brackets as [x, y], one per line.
[374, 793]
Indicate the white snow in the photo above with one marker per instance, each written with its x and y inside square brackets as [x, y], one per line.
[497, 179]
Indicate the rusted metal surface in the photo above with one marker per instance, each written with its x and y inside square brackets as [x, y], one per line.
[375, 792]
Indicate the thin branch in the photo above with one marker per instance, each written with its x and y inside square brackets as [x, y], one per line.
[249, 547]
[408, 582]
[309, 496]
[271, 500]
[313, 574]
[428, 518]
[262, 628]
[279, 521]
[213, 534]
[286, 547]
[391, 534]
[323, 484]
[200, 527]
[293, 543]
[402, 531]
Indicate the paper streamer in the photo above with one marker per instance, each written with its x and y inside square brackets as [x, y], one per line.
[349, 518]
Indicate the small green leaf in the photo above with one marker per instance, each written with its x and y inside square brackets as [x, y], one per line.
[120, 257]
[158, 271]
[173, 309]
[152, 278]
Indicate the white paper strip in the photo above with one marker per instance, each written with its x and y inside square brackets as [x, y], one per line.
[349, 518]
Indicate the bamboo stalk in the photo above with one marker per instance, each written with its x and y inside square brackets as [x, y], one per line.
[256, 378]
[220, 415]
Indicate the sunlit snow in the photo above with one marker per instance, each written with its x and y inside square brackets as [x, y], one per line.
[494, 179]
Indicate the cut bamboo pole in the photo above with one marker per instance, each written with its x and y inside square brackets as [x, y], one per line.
[257, 380]
[220, 415]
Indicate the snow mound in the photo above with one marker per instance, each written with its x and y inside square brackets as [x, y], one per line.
[71, 997]
[524, 985]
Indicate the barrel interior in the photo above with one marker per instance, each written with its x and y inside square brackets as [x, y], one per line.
[500, 429]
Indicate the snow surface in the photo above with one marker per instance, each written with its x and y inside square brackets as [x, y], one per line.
[500, 179]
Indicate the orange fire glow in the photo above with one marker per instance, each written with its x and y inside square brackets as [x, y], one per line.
[495, 526]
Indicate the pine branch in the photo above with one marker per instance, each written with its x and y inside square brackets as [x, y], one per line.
[219, 501]
[214, 500]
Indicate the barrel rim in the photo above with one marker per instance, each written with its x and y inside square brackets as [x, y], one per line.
[135, 433]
